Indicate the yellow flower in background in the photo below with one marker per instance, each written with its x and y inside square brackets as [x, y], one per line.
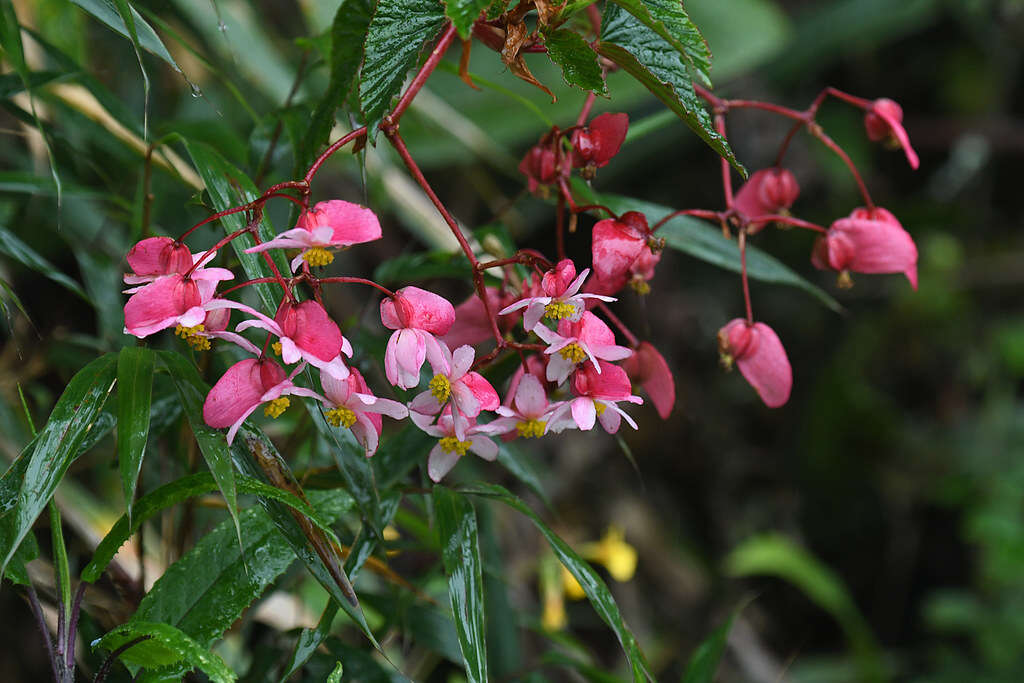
[612, 551]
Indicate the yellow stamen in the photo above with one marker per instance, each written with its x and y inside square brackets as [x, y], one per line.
[531, 428]
[318, 256]
[341, 417]
[450, 444]
[573, 352]
[276, 407]
[440, 388]
[277, 347]
[600, 407]
[640, 286]
[193, 337]
[556, 310]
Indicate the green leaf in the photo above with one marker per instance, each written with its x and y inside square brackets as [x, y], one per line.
[595, 588]
[460, 552]
[163, 646]
[576, 58]
[516, 461]
[335, 676]
[705, 242]
[57, 447]
[775, 555]
[650, 59]
[28, 257]
[145, 36]
[348, 35]
[463, 13]
[9, 294]
[406, 268]
[705, 658]
[127, 15]
[669, 20]
[26, 552]
[309, 641]
[134, 399]
[398, 31]
[222, 183]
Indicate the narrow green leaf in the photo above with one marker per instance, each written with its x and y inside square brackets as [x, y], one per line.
[164, 646]
[595, 588]
[705, 658]
[60, 560]
[9, 294]
[463, 13]
[57, 447]
[108, 13]
[398, 31]
[11, 84]
[516, 461]
[26, 552]
[460, 553]
[308, 641]
[28, 257]
[127, 15]
[134, 400]
[335, 676]
[706, 242]
[653, 61]
[348, 35]
[577, 60]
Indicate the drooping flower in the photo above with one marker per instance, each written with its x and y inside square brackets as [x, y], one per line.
[451, 446]
[884, 121]
[455, 384]
[244, 387]
[574, 343]
[595, 145]
[868, 241]
[540, 166]
[648, 368]
[417, 316]
[597, 396]
[172, 300]
[562, 298]
[768, 191]
[157, 256]
[530, 411]
[351, 404]
[616, 244]
[757, 351]
[333, 224]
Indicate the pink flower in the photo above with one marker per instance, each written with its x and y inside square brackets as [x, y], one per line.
[472, 325]
[576, 342]
[304, 332]
[648, 368]
[214, 326]
[539, 166]
[562, 299]
[244, 387]
[451, 445]
[594, 146]
[768, 191]
[617, 244]
[757, 351]
[156, 256]
[333, 224]
[417, 316]
[869, 241]
[172, 300]
[884, 121]
[532, 410]
[468, 392]
[351, 404]
[598, 390]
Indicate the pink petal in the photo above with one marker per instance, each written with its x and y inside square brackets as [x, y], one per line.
[289, 239]
[157, 305]
[872, 246]
[352, 223]
[462, 361]
[765, 366]
[159, 256]
[440, 462]
[557, 280]
[648, 368]
[531, 400]
[608, 382]
[484, 447]
[383, 406]
[615, 246]
[425, 404]
[884, 119]
[607, 133]
[610, 419]
[236, 392]
[313, 331]
[584, 413]
[482, 391]
[418, 308]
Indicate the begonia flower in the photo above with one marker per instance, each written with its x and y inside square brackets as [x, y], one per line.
[157, 256]
[616, 244]
[868, 241]
[530, 410]
[172, 300]
[214, 326]
[472, 326]
[562, 298]
[244, 387]
[417, 316]
[455, 384]
[350, 404]
[574, 343]
[768, 191]
[333, 224]
[757, 351]
[452, 445]
[539, 166]
[648, 368]
[598, 392]
[595, 145]
[884, 121]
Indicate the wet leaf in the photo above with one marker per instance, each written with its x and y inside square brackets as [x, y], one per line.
[669, 20]
[134, 399]
[163, 645]
[576, 58]
[463, 13]
[140, 32]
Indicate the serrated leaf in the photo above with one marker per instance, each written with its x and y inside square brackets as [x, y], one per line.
[108, 13]
[460, 554]
[28, 257]
[654, 62]
[706, 242]
[57, 447]
[669, 20]
[576, 58]
[597, 591]
[398, 31]
[705, 658]
[464, 13]
[348, 36]
[163, 646]
[134, 399]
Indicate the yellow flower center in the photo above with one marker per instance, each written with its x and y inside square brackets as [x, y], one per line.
[450, 444]
[556, 310]
[573, 352]
[193, 337]
[277, 347]
[276, 407]
[440, 388]
[531, 428]
[600, 407]
[640, 286]
[341, 417]
[318, 256]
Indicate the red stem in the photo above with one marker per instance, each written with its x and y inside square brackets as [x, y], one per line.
[697, 213]
[787, 220]
[335, 146]
[630, 337]
[220, 243]
[817, 132]
[560, 227]
[743, 275]
[357, 281]
[424, 73]
[726, 175]
[254, 281]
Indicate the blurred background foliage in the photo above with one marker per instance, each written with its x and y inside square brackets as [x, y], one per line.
[877, 520]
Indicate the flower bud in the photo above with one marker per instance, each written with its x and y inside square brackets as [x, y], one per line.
[761, 358]
[884, 122]
[768, 191]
